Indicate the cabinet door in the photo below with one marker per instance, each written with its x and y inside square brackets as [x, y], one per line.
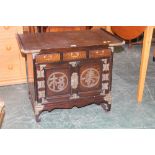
[57, 81]
[90, 78]
[53, 82]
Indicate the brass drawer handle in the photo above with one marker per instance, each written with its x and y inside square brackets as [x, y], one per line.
[10, 67]
[46, 58]
[106, 42]
[6, 27]
[8, 47]
[99, 52]
[75, 54]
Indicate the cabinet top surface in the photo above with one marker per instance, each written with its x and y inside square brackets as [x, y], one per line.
[68, 40]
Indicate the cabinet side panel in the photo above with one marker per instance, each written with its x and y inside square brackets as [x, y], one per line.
[30, 75]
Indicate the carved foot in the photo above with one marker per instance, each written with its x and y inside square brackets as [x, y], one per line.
[106, 106]
[38, 111]
[37, 118]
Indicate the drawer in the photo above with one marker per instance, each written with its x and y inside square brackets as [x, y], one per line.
[99, 53]
[9, 46]
[47, 58]
[10, 31]
[74, 55]
[9, 67]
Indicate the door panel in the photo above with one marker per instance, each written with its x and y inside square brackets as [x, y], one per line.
[90, 78]
[57, 81]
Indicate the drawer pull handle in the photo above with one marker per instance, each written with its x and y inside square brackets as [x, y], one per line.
[75, 54]
[99, 52]
[6, 27]
[8, 48]
[10, 67]
[47, 58]
[106, 42]
[74, 80]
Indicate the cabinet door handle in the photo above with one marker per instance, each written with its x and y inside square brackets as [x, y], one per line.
[74, 80]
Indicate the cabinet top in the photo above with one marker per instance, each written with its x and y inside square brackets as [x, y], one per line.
[66, 41]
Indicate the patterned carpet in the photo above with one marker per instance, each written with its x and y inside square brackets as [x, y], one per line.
[125, 112]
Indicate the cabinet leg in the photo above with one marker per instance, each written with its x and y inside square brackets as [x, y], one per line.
[106, 106]
[37, 118]
[38, 110]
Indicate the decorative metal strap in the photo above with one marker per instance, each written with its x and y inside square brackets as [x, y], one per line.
[74, 63]
[108, 98]
[38, 108]
[74, 80]
[74, 96]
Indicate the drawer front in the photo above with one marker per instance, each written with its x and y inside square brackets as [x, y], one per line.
[47, 58]
[99, 53]
[10, 67]
[90, 77]
[53, 82]
[74, 55]
[9, 46]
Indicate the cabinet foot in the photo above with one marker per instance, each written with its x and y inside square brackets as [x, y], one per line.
[106, 106]
[38, 110]
[37, 118]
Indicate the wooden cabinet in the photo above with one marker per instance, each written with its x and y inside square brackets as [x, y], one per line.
[67, 69]
[12, 62]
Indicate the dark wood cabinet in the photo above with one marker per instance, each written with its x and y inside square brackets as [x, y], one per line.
[67, 69]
